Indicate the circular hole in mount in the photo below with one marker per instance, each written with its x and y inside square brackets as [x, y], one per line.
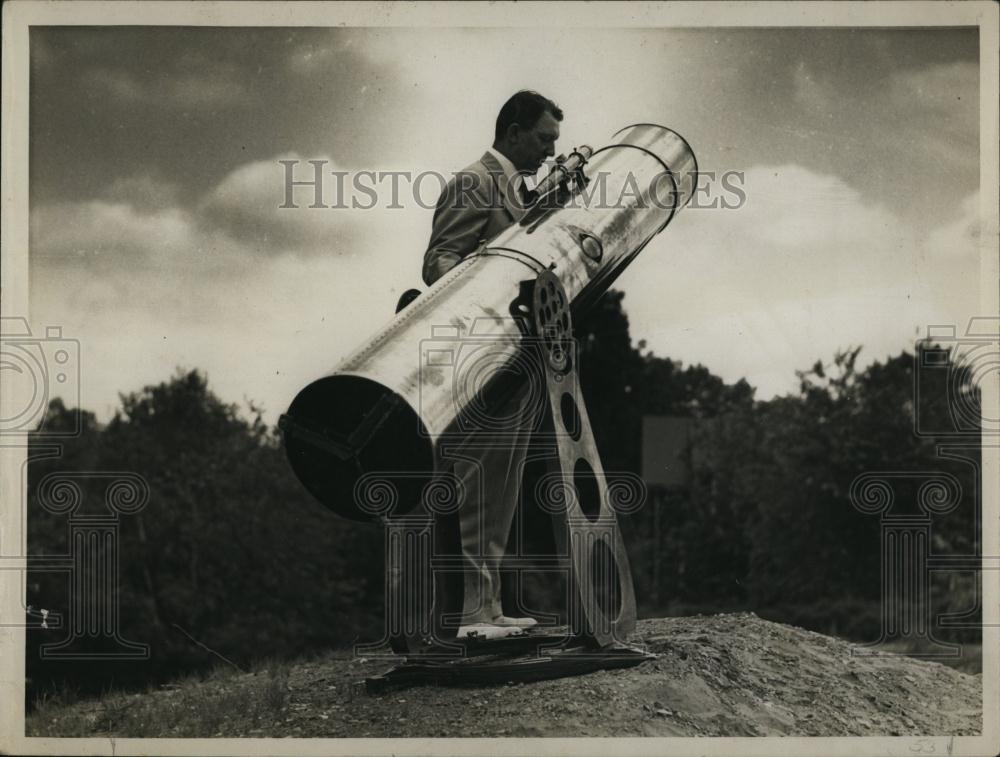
[588, 493]
[605, 580]
[570, 416]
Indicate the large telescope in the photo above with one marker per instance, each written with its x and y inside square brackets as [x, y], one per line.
[427, 376]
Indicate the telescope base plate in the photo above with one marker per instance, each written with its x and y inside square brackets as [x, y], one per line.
[536, 665]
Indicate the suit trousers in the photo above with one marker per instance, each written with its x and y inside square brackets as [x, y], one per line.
[489, 466]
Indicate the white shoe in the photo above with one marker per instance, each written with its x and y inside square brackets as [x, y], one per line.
[497, 628]
[488, 631]
[503, 620]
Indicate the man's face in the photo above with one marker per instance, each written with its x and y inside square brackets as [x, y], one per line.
[536, 144]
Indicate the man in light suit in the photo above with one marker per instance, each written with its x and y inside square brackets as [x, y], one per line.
[477, 204]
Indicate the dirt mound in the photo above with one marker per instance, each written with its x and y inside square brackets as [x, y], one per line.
[722, 675]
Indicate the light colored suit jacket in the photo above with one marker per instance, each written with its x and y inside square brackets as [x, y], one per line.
[477, 204]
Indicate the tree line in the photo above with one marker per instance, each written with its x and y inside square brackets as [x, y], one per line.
[231, 561]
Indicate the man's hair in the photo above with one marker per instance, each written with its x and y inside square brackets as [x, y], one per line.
[524, 108]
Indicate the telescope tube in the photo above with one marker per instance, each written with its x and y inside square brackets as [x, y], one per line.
[424, 378]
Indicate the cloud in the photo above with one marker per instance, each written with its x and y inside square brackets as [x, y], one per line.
[315, 55]
[263, 331]
[925, 116]
[939, 87]
[143, 191]
[212, 88]
[111, 234]
[228, 285]
[146, 291]
[140, 224]
[807, 267]
[357, 213]
[214, 274]
[959, 239]
[790, 207]
[488, 65]
[156, 269]
[120, 84]
[938, 113]
[812, 90]
[204, 92]
[248, 202]
[795, 233]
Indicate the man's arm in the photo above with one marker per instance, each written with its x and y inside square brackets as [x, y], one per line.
[459, 225]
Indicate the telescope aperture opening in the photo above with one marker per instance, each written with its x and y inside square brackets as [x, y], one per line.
[341, 407]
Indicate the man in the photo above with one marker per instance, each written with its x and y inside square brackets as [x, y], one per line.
[485, 198]
[477, 204]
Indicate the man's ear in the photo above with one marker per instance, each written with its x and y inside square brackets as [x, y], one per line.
[513, 133]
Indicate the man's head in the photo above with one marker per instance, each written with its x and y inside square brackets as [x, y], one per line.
[527, 130]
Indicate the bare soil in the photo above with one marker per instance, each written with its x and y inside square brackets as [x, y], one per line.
[721, 675]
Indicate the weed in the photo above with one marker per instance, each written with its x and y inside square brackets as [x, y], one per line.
[114, 710]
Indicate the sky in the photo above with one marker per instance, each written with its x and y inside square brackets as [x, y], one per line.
[157, 240]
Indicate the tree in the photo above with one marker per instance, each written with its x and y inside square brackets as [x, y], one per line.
[230, 550]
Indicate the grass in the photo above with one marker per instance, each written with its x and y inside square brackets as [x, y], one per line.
[230, 703]
[225, 703]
